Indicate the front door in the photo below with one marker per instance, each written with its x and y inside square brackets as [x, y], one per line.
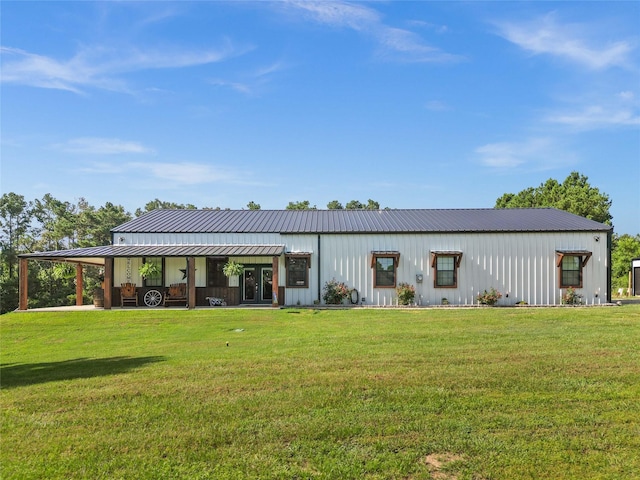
[257, 284]
[266, 286]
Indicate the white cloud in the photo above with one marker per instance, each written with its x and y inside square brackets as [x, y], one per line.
[437, 106]
[532, 154]
[254, 82]
[599, 111]
[237, 86]
[184, 173]
[165, 174]
[394, 43]
[102, 146]
[338, 14]
[596, 116]
[500, 155]
[546, 35]
[98, 67]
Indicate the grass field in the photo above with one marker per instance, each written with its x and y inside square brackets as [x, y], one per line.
[492, 393]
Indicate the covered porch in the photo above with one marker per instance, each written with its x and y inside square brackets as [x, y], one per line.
[116, 261]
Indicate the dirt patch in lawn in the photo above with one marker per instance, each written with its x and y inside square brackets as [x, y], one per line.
[437, 463]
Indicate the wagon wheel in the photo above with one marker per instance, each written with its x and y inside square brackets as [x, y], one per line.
[152, 298]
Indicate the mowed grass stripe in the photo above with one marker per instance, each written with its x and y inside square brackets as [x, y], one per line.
[373, 393]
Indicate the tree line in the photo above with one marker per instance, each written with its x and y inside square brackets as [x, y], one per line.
[49, 224]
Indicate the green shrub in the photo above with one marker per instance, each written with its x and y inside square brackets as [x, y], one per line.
[335, 292]
[489, 297]
[406, 293]
[571, 297]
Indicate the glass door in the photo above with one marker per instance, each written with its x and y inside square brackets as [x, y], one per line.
[266, 292]
[250, 285]
[257, 284]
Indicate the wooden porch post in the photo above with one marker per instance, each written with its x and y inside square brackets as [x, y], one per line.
[191, 282]
[108, 282]
[79, 299]
[23, 283]
[274, 282]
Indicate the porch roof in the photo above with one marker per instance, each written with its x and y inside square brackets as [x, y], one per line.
[96, 255]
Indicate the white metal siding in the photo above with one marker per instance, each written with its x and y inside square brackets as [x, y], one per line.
[520, 265]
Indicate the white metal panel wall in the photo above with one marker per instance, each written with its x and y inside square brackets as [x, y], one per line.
[172, 266]
[300, 244]
[124, 271]
[521, 266]
[196, 238]
[172, 270]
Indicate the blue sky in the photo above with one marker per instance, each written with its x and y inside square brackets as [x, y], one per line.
[411, 104]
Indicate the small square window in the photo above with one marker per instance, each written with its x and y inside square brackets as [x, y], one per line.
[385, 265]
[571, 272]
[215, 272]
[298, 270]
[570, 265]
[445, 269]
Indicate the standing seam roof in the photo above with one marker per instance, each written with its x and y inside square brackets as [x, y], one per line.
[359, 221]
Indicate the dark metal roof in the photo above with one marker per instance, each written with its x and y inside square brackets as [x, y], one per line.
[159, 251]
[360, 221]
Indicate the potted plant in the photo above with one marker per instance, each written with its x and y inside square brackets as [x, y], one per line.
[406, 293]
[489, 297]
[148, 269]
[232, 268]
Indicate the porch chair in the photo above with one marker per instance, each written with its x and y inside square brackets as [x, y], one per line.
[128, 294]
[177, 294]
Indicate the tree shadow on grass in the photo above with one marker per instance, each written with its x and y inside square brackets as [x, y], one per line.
[22, 374]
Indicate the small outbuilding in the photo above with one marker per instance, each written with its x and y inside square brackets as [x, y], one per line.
[635, 276]
[530, 256]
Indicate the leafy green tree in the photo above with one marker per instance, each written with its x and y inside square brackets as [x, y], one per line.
[15, 238]
[59, 228]
[334, 205]
[372, 205]
[624, 249]
[15, 219]
[574, 195]
[304, 205]
[57, 223]
[356, 205]
[94, 226]
[160, 205]
[253, 205]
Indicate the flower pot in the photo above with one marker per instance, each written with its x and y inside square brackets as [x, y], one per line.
[98, 298]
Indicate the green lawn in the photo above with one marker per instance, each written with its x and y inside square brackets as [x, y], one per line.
[491, 393]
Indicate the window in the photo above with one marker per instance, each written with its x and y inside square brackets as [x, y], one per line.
[215, 273]
[384, 265]
[297, 266]
[445, 268]
[570, 265]
[154, 280]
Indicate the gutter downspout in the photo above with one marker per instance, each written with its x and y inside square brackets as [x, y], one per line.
[609, 242]
[319, 273]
